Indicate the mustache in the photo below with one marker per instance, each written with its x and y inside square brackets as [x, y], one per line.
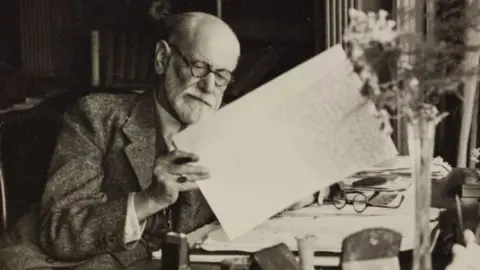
[208, 100]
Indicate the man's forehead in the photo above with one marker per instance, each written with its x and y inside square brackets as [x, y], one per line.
[219, 57]
[221, 50]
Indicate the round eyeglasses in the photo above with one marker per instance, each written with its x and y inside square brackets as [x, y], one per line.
[200, 69]
[360, 201]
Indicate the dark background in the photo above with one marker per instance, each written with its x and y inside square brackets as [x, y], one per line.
[45, 49]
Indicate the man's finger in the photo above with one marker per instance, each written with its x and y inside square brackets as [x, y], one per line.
[189, 169]
[184, 178]
[182, 160]
[182, 156]
[469, 237]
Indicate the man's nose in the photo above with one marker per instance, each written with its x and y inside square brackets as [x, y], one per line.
[207, 83]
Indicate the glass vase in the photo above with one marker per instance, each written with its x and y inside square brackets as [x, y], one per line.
[421, 141]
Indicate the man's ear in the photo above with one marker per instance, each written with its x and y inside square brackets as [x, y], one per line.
[162, 56]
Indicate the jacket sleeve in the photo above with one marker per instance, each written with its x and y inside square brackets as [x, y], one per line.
[77, 220]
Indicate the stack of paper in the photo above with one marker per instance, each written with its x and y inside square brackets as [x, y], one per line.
[295, 135]
[393, 182]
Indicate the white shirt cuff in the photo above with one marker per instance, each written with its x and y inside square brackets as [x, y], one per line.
[133, 228]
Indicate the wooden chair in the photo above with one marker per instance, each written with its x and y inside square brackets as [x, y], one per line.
[27, 140]
[26, 144]
[376, 248]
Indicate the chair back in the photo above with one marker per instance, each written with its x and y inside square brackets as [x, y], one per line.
[27, 142]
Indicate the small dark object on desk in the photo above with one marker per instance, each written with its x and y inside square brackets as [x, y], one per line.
[370, 181]
[175, 252]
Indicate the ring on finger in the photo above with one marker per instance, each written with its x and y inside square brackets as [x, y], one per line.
[181, 178]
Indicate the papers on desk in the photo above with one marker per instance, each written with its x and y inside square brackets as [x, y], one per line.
[398, 173]
[329, 229]
[329, 232]
[295, 135]
[394, 183]
[330, 210]
[402, 165]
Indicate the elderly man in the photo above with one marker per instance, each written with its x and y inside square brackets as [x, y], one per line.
[117, 183]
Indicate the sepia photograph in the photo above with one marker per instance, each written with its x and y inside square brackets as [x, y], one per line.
[239, 134]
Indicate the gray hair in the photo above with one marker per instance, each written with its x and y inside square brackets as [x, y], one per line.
[179, 27]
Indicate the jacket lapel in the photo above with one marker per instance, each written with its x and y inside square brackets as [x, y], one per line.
[140, 129]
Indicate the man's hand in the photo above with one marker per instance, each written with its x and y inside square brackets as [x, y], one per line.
[466, 258]
[174, 173]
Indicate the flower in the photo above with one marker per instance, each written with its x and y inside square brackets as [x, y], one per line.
[378, 51]
[365, 29]
[475, 154]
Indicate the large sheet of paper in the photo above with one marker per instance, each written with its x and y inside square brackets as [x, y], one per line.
[299, 133]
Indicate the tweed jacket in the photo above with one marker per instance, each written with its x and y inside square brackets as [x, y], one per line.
[105, 150]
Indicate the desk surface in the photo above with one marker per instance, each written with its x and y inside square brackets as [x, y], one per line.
[201, 257]
[329, 230]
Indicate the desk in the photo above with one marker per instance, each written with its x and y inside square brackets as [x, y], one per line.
[202, 259]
